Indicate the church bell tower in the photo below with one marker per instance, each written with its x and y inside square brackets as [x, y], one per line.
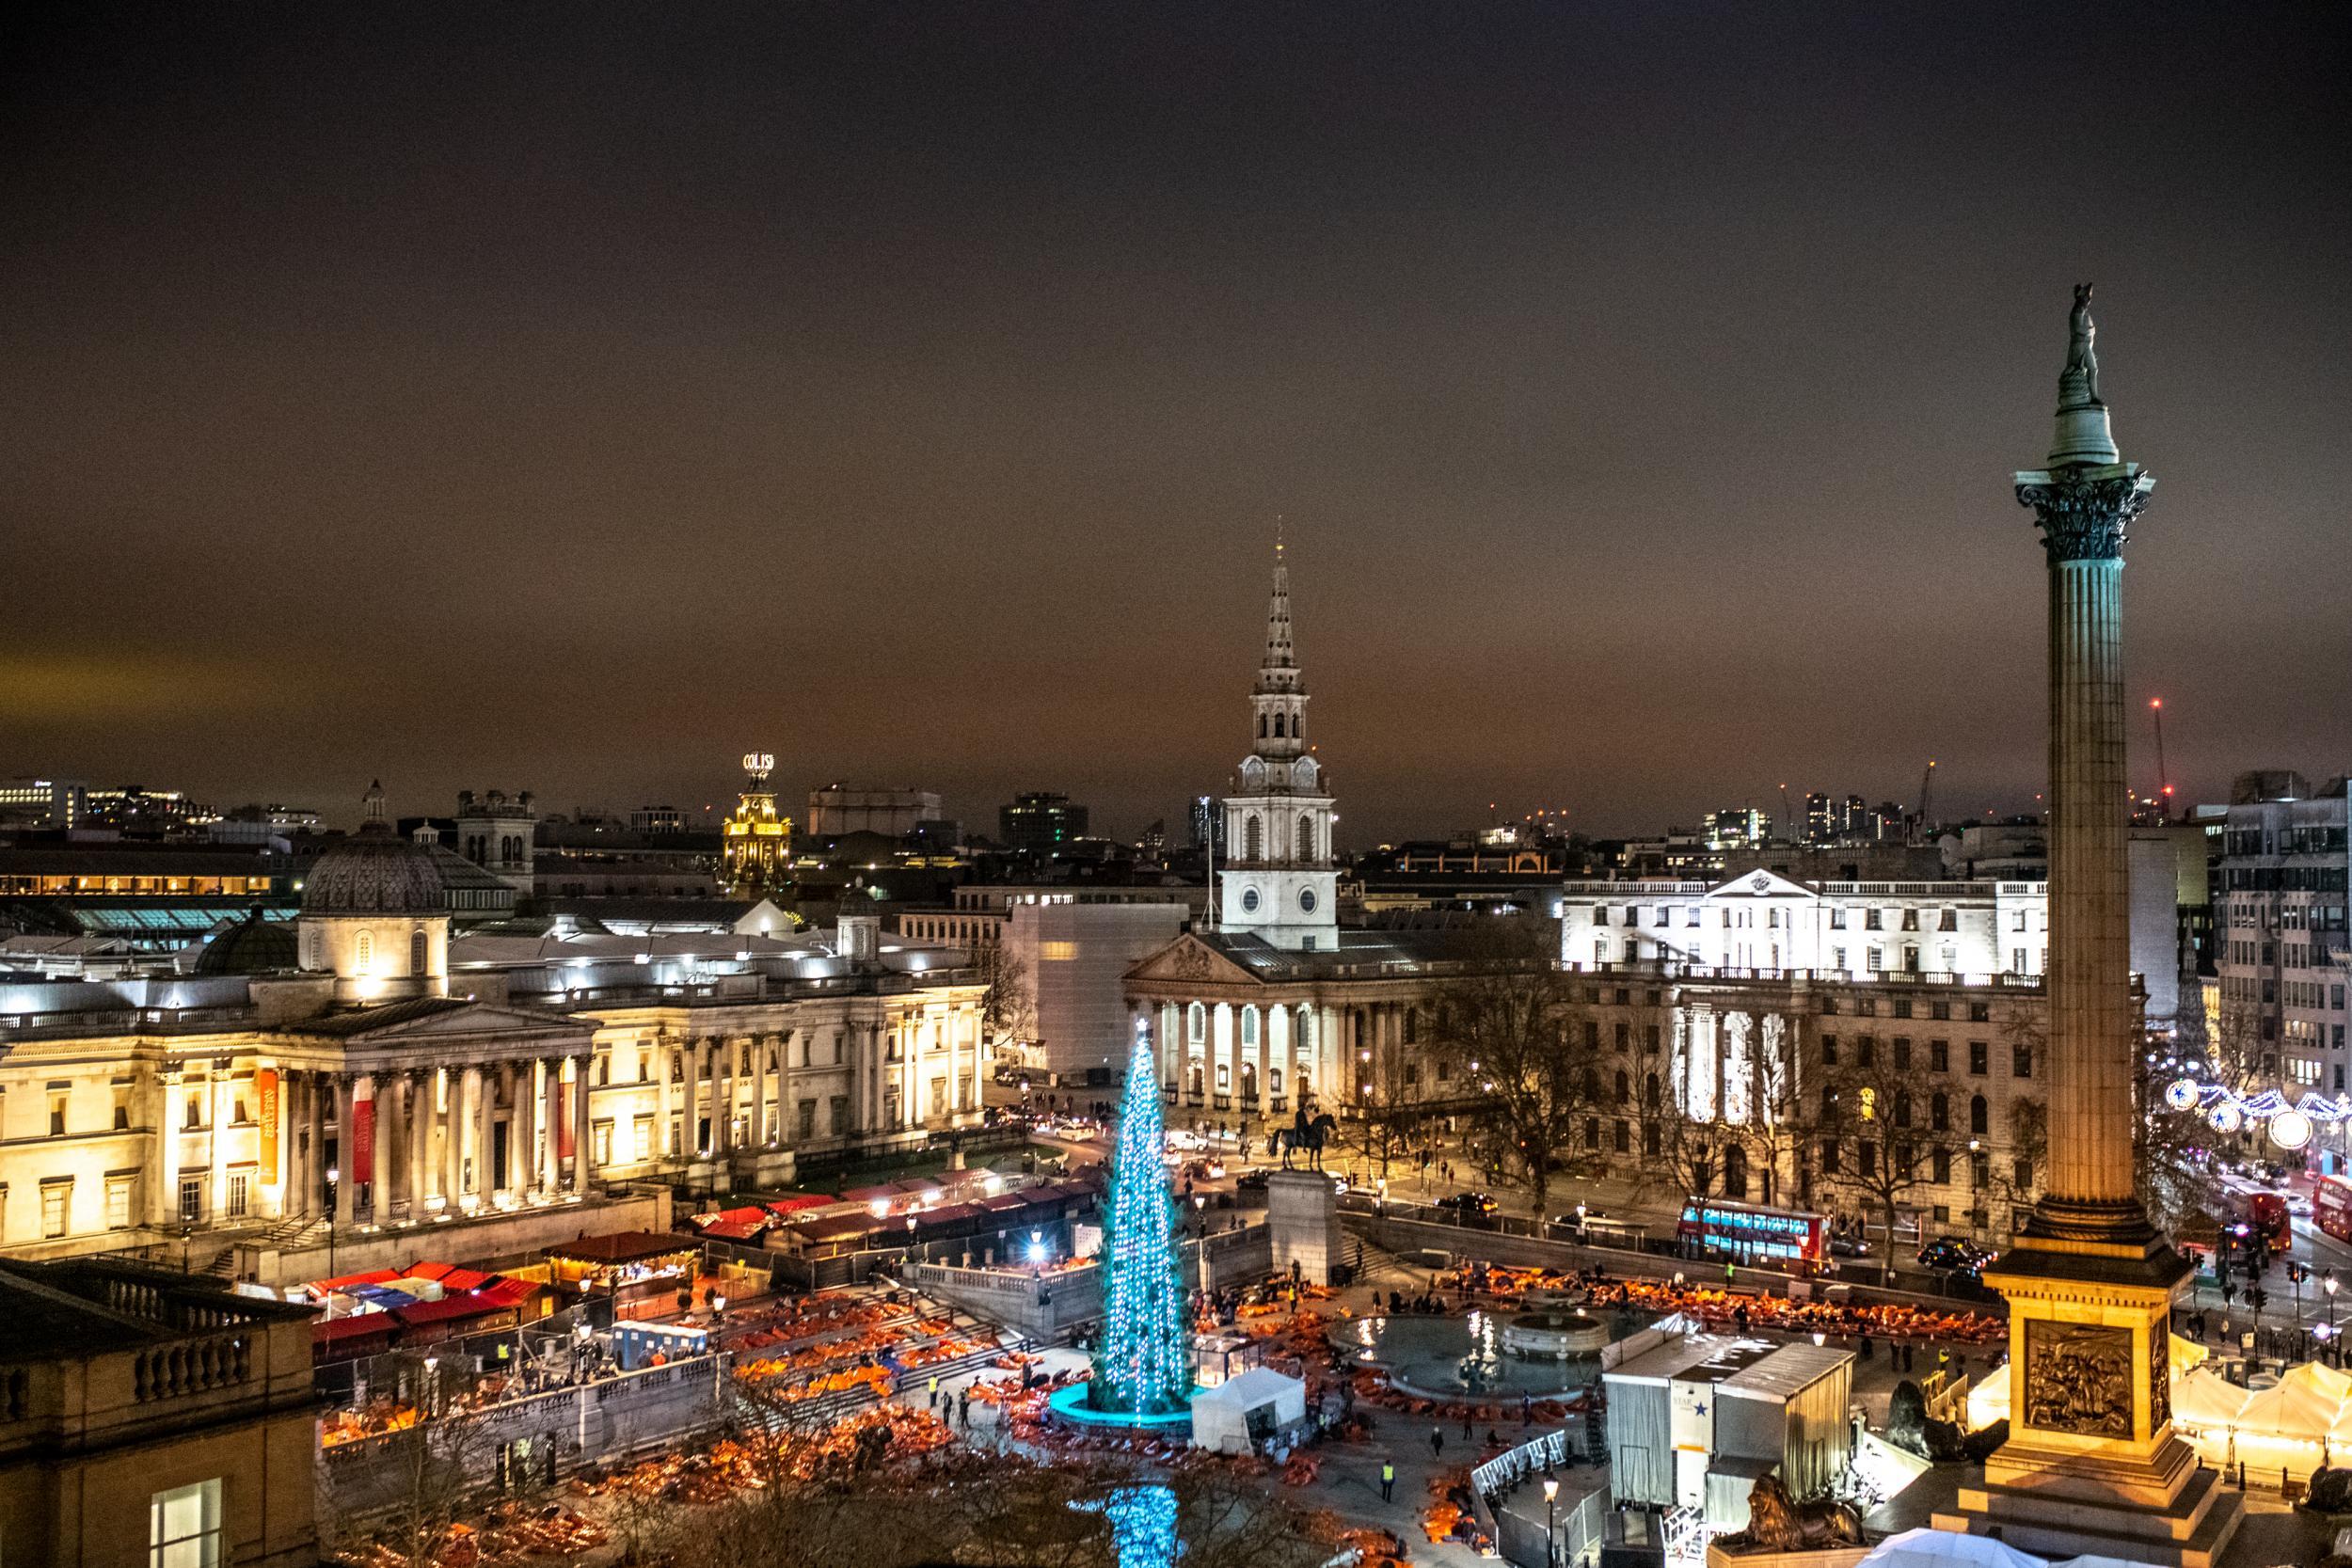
[1278, 883]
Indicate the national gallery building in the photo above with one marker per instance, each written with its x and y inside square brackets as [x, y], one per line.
[365, 1067]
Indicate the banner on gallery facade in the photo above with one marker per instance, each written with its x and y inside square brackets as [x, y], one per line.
[363, 1139]
[266, 1088]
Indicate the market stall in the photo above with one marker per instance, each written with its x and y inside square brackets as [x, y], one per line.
[631, 1265]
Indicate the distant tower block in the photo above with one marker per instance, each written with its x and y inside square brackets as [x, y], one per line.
[2091, 1464]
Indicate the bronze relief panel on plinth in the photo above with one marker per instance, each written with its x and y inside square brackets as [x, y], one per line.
[2078, 1379]
[2159, 1378]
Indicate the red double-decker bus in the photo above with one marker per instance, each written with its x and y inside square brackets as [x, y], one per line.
[2259, 1211]
[2331, 1206]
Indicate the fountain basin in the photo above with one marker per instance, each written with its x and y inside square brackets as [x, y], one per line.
[1070, 1404]
[1556, 1335]
[1459, 1358]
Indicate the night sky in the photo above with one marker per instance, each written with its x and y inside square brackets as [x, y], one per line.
[574, 399]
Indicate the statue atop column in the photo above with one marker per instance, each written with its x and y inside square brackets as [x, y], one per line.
[2078, 384]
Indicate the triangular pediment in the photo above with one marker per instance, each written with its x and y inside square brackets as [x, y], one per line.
[425, 1019]
[1759, 883]
[1190, 961]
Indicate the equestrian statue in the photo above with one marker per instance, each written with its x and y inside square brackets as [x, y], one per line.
[1304, 1136]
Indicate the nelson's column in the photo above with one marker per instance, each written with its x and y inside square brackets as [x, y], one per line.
[2091, 1464]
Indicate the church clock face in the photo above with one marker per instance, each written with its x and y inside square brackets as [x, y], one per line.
[1307, 899]
[1249, 901]
[1303, 773]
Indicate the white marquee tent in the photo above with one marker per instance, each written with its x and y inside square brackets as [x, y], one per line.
[1222, 1415]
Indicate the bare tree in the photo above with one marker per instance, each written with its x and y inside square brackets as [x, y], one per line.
[412, 1487]
[1887, 1141]
[1502, 1019]
[1007, 1001]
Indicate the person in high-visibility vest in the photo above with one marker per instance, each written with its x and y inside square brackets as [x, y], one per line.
[934, 1390]
[1387, 1481]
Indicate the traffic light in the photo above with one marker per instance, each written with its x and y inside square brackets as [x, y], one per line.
[2257, 1298]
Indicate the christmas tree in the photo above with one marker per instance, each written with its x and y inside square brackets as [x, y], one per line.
[1144, 1367]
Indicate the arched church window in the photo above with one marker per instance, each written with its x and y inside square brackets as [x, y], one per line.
[1197, 1024]
[1277, 726]
[419, 948]
[366, 951]
[1298, 726]
[1249, 1027]
[1262, 731]
[1306, 835]
[1252, 837]
[1305, 1034]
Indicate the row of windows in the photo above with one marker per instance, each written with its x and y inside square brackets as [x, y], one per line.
[1864, 1052]
[1742, 918]
[1303, 1036]
[1901, 1160]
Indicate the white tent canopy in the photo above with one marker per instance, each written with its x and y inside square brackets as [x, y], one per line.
[2205, 1397]
[1939, 1548]
[2303, 1405]
[1220, 1416]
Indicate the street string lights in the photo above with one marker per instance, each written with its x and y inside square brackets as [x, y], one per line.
[2226, 1111]
[1144, 1366]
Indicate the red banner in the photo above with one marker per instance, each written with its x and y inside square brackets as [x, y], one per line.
[265, 1090]
[363, 1140]
[563, 1119]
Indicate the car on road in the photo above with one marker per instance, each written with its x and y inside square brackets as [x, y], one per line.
[1955, 1255]
[1250, 1182]
[1848, 1246]
[1476, 1210]
[2298, 1206]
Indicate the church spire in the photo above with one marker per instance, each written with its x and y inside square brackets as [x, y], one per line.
[1278, 655]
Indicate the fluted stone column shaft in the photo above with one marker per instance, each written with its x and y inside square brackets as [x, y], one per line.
[580, 1163]
[452, 1122]
[723, 1080]
[693, 1135]
[346, 1179]
[550, 1142]
[2089, 978]
[666, 1113]
[392, 1144]
[421, 1183]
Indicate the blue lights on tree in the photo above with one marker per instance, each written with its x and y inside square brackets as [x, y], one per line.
[1144, 1366]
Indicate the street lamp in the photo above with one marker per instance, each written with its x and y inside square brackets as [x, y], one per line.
[1551, 1496]
[2331, 1301]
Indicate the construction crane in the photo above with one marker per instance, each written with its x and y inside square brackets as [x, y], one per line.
[1927, 796]
[2164, 780]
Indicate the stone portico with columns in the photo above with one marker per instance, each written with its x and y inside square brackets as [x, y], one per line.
[427, 1107]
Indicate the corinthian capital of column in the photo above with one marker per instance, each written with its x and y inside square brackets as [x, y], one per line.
[2084, 514]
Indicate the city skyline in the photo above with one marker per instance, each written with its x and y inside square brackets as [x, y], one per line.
[572, 410]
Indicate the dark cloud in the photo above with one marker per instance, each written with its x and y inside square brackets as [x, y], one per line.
[573, 398]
